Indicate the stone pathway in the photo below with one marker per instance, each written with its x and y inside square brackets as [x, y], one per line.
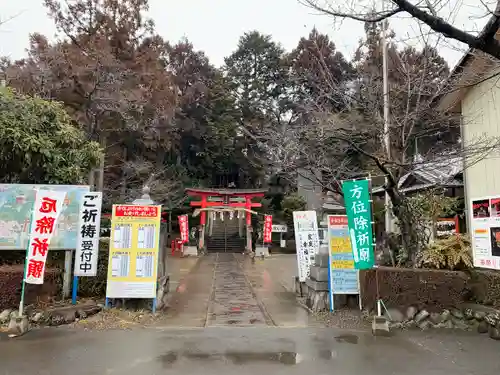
[233, 301]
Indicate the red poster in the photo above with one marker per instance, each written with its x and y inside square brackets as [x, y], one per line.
[184, 228]
[268, 228]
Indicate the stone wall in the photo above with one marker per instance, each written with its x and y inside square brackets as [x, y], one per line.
[434, 290]
[484, 287]
[470, 317]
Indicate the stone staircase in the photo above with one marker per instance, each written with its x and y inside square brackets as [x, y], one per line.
[225, 237]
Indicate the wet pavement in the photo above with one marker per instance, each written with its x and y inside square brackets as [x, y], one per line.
[231, 314]
[230, 290]
[233, 301]
[222, 350]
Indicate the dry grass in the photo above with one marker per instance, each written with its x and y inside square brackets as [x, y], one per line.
[117, 319]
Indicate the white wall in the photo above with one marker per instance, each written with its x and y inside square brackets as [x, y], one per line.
[481, 120]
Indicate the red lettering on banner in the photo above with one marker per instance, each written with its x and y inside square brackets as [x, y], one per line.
[35, 268]
[48, 205]
[40, 246]
[140, 211]
[45, 225]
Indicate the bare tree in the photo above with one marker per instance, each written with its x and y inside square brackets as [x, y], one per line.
[349, 144]
[426, 12]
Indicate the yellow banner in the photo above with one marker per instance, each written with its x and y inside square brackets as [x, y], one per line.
[133, 251]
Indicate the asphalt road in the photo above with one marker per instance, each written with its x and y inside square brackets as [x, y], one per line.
[229, 317]
[252, 350]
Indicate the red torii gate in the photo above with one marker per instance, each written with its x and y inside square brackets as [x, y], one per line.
[226, 195]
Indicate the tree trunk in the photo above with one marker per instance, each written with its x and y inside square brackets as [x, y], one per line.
[406, 226]
[123, 185]
[101, 164]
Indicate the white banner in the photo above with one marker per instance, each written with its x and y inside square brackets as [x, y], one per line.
[306, 241]
[46, 211]
[89, 229]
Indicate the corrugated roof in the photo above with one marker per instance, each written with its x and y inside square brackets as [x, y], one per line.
[436, 173]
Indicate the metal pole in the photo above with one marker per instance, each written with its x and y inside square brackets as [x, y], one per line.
[387, 141]
[23, 284]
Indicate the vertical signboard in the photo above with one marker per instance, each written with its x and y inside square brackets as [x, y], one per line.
[47, 210]
[485, 230]
[184, 228]
[268, 228]
[306, 241]
[359, 215]
[89, 227]
[133, 251]
[343, 277]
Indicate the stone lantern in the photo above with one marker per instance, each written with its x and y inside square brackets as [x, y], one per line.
[145, 198]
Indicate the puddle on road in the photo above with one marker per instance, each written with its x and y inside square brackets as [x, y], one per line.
[237, 358]
[349, 339]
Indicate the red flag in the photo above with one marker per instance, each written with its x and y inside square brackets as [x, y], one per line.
[184, 228]
[268, 228]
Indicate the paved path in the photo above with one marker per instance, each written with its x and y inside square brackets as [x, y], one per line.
[231, 290]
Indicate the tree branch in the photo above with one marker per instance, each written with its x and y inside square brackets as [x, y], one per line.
[485, 41]
[375, 17]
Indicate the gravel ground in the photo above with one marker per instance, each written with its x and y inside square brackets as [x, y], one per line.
[117, 319]
[342, 318]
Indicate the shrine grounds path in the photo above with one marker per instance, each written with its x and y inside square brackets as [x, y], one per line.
[229, 316]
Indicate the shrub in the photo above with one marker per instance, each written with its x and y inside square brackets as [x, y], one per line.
[454, 252]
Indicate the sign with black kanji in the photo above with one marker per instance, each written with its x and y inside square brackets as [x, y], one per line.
[87, 246]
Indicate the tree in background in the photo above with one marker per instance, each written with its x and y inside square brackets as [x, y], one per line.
[318, 73]
[107, 70]
[258, 79]
[39, 143]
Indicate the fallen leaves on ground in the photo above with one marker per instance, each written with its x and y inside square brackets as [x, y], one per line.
[117, 319]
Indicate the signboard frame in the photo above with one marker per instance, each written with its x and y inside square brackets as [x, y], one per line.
[123, 279]
[338, 231]
[21, 198]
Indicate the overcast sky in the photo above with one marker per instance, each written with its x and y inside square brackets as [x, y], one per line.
[215, 26]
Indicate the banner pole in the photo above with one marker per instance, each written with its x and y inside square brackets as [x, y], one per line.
[74, 291]
[23, 281]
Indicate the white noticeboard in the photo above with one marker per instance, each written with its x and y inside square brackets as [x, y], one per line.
[89, 229]
[279, 228]
[306, 241]
[485, 231]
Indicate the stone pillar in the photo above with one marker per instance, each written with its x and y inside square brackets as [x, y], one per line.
[240, 225]
[210, 224]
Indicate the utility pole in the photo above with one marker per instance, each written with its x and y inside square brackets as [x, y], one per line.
[387, 140]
